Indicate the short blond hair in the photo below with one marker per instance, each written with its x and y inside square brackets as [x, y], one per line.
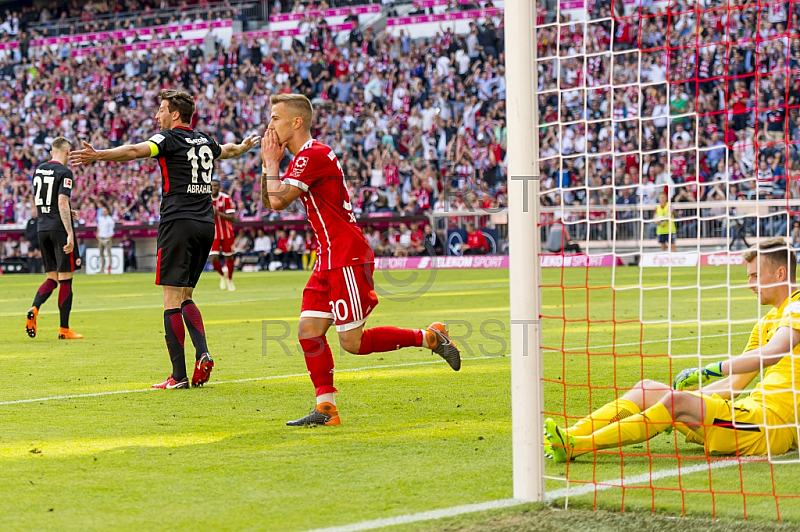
[60, 143]
[299, 106]
[778, 252]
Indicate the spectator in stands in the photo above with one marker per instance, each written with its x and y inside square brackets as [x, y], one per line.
[309, 251]
[281, 248]
[410, 109]
[432, 242]
[296, 244]
[242, 245]
[263, 247]
[476, 242]
[128, 246]
[104, 235]
[32, 255]
[559, 241]
[80, 245]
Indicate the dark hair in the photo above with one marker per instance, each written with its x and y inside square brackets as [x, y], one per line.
[180, 101]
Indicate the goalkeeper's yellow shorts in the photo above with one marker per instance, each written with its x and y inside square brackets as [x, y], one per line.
[743, 428]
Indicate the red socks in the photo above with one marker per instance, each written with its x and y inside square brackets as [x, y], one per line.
[319, 361]
[380, 339]
[217, 266]
[44, 292]
[229, 264]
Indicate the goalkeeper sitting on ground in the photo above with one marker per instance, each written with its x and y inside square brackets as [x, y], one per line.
[765, 421]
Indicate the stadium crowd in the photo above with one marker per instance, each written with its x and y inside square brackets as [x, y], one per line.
[420, 126]
[708, 116]
[416, 125]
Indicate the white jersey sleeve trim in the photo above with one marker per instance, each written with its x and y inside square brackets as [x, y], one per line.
[296, 182]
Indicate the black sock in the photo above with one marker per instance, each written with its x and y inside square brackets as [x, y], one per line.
[194, 322]
[65, 301]
[173, 326]
[44, 292]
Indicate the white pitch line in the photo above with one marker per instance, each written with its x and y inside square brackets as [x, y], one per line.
[441, 288]
[235, 381]
[583, 489]
[423, 516]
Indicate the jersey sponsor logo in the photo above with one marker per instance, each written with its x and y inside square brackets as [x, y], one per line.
[44, 172]
[67, 183]
[197, 141]
[158, 138]
[198, 189]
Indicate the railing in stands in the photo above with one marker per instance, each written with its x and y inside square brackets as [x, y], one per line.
[292, 32]
[712, 222]
[246, 10]
[443, 17]
[327, 13]
[139, 46]
[154, 33]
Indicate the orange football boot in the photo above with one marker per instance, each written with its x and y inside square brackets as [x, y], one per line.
[324, 414]
[30, 323]
[438, 337]
[68, 334]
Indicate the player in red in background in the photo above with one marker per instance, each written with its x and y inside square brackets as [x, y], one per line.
[341, 289]
[224, 214]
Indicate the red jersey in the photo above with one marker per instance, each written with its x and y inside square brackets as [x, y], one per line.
[223, 228]
[477, 241]
[740, 101]
[316, 171]
[282, 244]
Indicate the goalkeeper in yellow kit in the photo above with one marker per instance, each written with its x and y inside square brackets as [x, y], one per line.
[764, 422]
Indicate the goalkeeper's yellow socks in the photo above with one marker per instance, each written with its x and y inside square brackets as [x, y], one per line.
[604, 416]
[635, 429]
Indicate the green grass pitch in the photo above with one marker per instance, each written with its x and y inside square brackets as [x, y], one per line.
[85, 444]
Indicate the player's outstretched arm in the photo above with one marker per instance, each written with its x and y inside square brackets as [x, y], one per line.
[125, 153]
[231, 150]
[751, 362]
[275, 194]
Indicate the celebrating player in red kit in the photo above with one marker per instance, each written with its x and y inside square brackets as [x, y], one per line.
[340, 290]
[224, 214]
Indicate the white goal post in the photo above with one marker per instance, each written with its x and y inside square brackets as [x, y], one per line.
[527, 395]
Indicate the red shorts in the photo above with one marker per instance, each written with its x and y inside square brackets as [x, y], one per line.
[345, 295]
[222, 244]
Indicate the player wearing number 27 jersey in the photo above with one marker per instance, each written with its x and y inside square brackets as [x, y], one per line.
[52, 188]
[341, 290]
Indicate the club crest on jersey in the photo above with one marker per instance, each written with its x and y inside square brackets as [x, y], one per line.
[67, 183]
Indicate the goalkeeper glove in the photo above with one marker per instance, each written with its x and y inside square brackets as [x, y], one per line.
[692, 377]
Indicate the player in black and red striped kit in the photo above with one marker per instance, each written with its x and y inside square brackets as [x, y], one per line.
[52, 188]
[341, 290]
[186, 230]
[224, 214]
